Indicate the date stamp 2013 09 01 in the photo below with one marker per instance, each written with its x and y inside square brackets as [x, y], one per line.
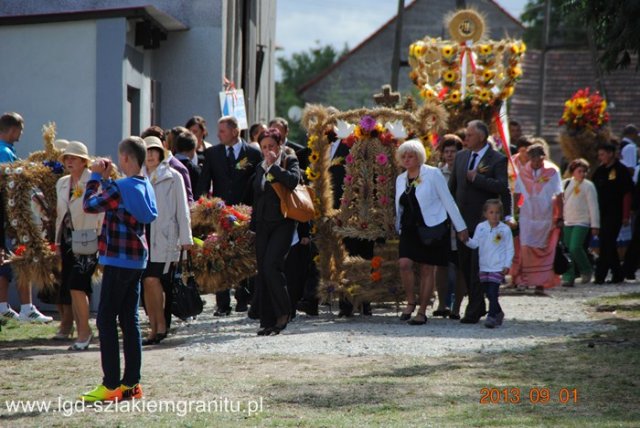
[514, 395]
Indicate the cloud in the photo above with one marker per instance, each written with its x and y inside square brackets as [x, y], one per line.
[303, 23]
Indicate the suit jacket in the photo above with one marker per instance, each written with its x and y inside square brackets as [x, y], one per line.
[233, 185]
[338, 171]
[491, 182]
[266, 203]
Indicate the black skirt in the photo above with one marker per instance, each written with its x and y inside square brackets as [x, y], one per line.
[436, 254]
[411, 247]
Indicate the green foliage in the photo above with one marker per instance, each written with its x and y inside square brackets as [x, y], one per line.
[615, 25]
[567, 25]
[296, 71]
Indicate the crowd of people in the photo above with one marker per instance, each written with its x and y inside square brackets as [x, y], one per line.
[466, 225]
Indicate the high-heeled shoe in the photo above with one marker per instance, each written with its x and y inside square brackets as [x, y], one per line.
[417, 321]
[265, 331]
[81, 346]
[60, 335]
[159, 337]
[276, 329]
[406, 316]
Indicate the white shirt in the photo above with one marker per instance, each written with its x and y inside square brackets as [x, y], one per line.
[629, 154]
[480, 153]
[334, 148]
[495, 246]
[237, 146]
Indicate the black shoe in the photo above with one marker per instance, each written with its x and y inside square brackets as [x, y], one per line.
[345, 313]
[366, 309]
[417, 321]
[466, 320]
[160, 337]
[242, 307]
[222, 312]
[253, 313]
[148, 341]
[265, 331]
[441, 313]
[616, 280]
[407, 316]
[454, 316]
[308, 308]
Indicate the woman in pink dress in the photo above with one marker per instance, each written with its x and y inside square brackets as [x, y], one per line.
[539, 184]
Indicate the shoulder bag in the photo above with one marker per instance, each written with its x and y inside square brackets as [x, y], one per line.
[186, 300]
[427, 234]
[84, 242]
[296, 204]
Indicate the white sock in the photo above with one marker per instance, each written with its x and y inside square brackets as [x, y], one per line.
[4, 307]
[25, 309]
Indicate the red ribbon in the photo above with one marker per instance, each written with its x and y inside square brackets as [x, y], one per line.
[467, 50]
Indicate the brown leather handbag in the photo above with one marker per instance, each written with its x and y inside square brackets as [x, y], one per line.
[297, 204]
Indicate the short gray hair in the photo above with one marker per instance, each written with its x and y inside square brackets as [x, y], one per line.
[480, 126]
[414, 146]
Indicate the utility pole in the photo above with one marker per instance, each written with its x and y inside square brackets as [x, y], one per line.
[397, 44]
[543, 66]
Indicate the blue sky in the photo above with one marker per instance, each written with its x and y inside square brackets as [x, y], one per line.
[302, 23]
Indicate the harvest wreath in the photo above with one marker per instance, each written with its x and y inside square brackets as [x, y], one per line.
[367, 207]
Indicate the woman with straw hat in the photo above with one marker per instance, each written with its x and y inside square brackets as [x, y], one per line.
[77, 269]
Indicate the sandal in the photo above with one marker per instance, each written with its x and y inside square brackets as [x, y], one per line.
[404, 316]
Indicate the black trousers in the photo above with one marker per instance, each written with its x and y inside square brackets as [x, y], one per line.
[273, 240]
[469, 265]
[632, 255]
[242, 294]
[608, 259]
[296, 269]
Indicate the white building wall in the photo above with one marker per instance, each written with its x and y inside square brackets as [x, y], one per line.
[58, 85]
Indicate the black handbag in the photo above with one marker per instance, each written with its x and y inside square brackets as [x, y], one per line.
[429, 234]
[186, 297]
[562, 258]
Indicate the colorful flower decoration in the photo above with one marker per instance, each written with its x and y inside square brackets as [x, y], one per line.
[585, 111]
[382, 159]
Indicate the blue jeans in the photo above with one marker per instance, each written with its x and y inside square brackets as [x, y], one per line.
[119, 299]
[491, 290]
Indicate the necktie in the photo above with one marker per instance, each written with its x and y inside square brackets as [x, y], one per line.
[473, 161]
[230, 158]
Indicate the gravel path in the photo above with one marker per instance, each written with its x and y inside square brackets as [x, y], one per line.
[530, 320]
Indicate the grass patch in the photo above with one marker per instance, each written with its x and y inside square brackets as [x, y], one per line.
[624, 305]
[321, 391]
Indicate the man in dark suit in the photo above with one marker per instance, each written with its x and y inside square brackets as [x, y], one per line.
[227, 170]
[479, 173]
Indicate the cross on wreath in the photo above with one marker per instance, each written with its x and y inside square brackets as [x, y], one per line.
[387, 98]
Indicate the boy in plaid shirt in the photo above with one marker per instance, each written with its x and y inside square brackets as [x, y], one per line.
[129, 203]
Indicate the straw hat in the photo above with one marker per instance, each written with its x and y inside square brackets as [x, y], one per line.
[77, 149]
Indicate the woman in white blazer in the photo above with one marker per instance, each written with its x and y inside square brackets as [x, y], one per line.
[422, 199]
[169, 233]
[77, 270]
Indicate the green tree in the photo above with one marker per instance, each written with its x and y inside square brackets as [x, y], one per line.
[567, 25]
[296, 71]
[615, 28]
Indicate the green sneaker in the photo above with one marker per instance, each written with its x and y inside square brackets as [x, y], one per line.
[102, 393]
[131, 392]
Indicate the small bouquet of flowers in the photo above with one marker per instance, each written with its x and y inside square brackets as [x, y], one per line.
[584, 110]
[584, 123]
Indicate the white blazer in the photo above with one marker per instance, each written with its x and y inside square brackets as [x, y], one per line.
[433, 196]
[172, 228]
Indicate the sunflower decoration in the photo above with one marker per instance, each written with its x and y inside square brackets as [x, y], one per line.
[497, 238]
[484, 71]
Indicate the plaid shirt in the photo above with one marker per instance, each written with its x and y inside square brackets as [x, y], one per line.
[122, 241]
